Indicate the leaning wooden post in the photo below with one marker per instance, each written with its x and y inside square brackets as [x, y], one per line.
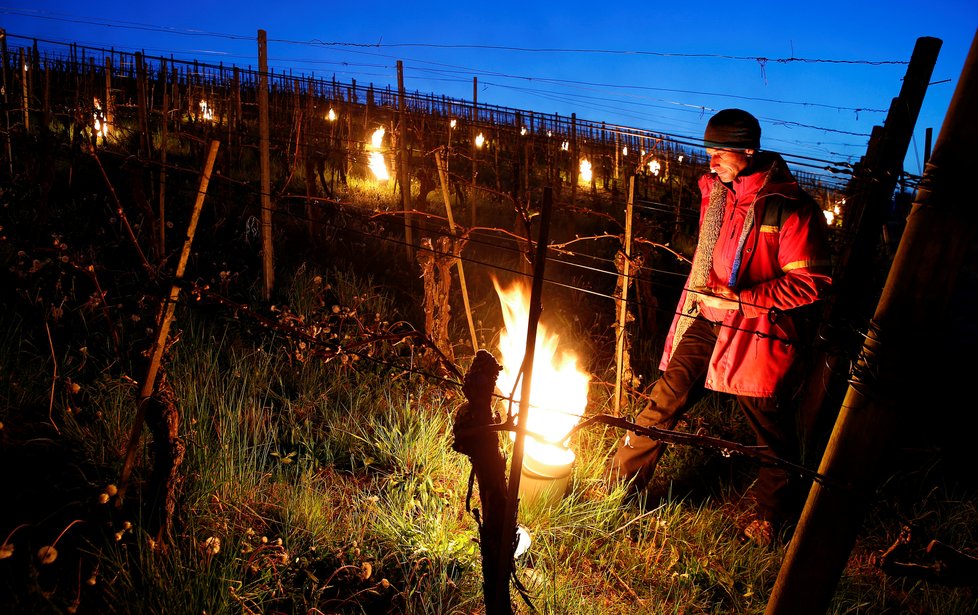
[623, 298]
[166, 316]
[268, 256]
[442, 161]
[940, 230]
[871, 191]
[508, 534]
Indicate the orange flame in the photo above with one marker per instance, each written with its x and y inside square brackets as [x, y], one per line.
[376, 159]
[558, 395]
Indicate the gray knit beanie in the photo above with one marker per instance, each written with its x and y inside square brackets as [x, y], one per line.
[732, 129]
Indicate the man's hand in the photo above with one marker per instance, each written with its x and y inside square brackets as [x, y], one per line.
[717, 298]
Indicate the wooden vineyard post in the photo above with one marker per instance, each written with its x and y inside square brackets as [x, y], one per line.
[144, 138]
[574, 162]
[164, 124]
[25, 96]
[871, 190]
[885, 381]
[508, 533]
[268, 257]
[403, 173]
[474, 149]
[620, 340]
[107, 113]
[6, 100]
[442, 162]
[166, 316]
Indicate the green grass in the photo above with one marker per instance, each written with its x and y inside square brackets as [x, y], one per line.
[317, 484]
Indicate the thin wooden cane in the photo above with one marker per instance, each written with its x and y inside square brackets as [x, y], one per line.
[149, 382]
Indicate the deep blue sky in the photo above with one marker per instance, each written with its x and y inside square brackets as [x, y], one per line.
[660, 67]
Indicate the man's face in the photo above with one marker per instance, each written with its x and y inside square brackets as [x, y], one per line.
[728, 163]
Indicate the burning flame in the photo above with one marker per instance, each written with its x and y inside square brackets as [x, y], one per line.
[331, 116]
[480, 140]
[654, 167]
[377, 164]
[101, 126]
[559, 387]
[585, 171]
[205, 111]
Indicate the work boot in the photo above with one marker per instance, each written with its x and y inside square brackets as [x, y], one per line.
[759, 531]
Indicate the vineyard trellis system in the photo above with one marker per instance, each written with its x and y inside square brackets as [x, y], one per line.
[147, 103]
[165, 111]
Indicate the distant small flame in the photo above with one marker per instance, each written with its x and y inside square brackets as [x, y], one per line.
[205, 111]
[479, 140]
[624, 151]
[453, 123]
[654, 167]
[377, 164]
[558, 396]
[101, 126]
[331, 116]
[585, 170]
[523, 131]
[565, 145]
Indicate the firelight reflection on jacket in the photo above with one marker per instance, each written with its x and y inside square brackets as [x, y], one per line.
[783, 266]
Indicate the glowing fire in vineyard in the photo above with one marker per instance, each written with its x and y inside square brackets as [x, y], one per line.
[586, 171]
[205, 111]
[377, 164]
[101, 126]
[559, 387]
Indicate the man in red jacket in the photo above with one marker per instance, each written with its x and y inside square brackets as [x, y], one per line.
[762, 256]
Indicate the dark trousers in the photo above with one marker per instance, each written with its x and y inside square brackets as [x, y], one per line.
[775, 492]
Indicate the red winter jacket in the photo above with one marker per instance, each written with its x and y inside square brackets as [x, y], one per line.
[785, 266]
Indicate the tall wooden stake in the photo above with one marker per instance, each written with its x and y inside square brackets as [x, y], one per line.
[623, 300]
[442, 160]
[6, 100]
[268, 254]
[474, 149]
[403, 173]
[871, 191]
[940, 230]
[536, 307]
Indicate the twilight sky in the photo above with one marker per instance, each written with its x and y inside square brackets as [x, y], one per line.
[831, 68]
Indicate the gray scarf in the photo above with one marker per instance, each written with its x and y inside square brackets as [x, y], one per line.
[702, 258]
[699, 275]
